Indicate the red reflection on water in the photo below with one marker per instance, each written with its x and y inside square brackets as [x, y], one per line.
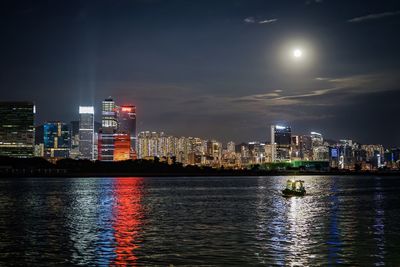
[128, 215]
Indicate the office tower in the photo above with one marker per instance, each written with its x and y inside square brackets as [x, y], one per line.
[305, 146]
[57, 141]
[109, 127]
[122, 146]
[127, 125]
[269, 152]
[231, 147]
[74, 152]
[316, 139]
[321, 153]
[257, 152]
[281, 139]
[214, 151]
[295, 147]
[39, 136]
[86, 132]
[346, 157]
[17, 129]
[109, 114]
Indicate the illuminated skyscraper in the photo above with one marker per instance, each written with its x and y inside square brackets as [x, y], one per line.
[109, 115]
[305, 146]
[127, 125]
[17, 129]
[57, 141]
[281, 139]
[231, 147]
[122, 146]
[117, 137]
[109, 127]
[316, 139]
[86, 132]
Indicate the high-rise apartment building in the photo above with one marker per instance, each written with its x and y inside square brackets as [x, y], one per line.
[86, 132]
[281, 138]
[17, 132]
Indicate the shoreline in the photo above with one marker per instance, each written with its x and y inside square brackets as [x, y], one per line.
[188, 175]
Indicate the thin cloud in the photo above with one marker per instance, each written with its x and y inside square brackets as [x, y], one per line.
[267, 21]
[374, 16]
[251, 20]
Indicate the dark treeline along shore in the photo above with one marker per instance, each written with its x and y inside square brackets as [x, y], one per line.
[39, 167]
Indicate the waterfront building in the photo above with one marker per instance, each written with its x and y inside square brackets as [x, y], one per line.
[56, 140]
[149, 144]
[295, 148]
[316, 139]
[281, 137]
[269, 151]
[117, 126]
[244, 154]
[109, 125]
[305, 146]
[127, 125]
[17, 132]
[321, 153]
[122, 146]
[231, 147]
[346, 154]
[109, 114]
[214, 152]
[74, 152]
[86, 132]
[257, 152]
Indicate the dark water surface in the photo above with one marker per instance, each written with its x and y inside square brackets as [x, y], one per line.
[208, 221]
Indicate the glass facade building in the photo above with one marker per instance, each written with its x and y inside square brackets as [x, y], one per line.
[281, 139]
[127, 125]
[109, 126]
[86, 132]
[122, 146]
[56, 139]
[17, 132]
[117, 136]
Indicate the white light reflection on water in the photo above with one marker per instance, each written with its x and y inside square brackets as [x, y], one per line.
[205, 221]
[334, 240]
[379, 223]
[300, 239]
[82, 220]
[284, 226]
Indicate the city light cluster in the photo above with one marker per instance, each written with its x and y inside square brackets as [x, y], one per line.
[116, 139]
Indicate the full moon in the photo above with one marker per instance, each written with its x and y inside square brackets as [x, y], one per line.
[297, 53]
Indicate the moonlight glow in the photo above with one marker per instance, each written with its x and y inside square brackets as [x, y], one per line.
[297, 53]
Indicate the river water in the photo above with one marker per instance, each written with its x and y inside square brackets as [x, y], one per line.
[200, 221]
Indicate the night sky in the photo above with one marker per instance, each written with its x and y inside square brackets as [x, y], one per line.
[213, 69]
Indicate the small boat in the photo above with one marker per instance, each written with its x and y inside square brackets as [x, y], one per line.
[294, 188]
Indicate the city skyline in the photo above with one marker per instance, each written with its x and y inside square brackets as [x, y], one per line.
[203, 63]
[199, 133]
[227, 139]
